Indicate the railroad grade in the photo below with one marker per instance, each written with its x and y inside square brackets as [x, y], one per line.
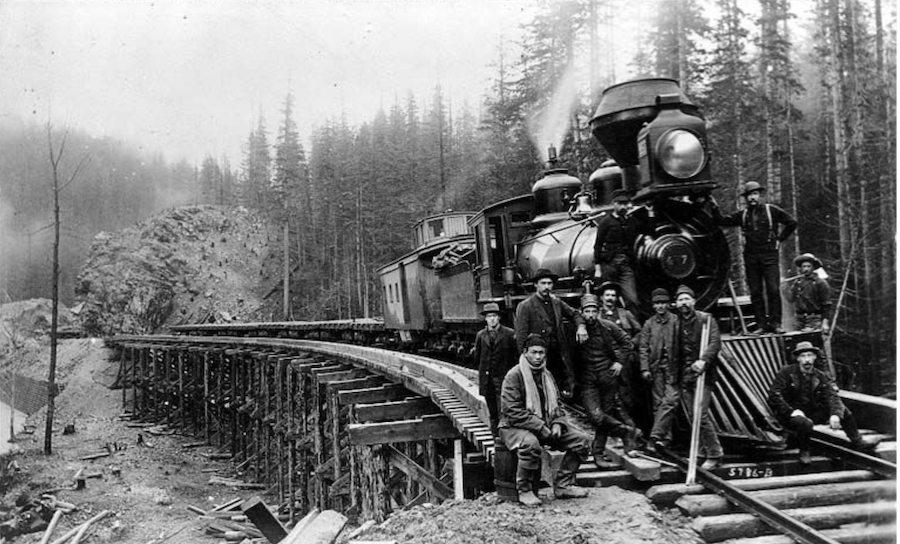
[365, 430]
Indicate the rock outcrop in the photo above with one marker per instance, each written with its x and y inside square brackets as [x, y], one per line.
[193, 264]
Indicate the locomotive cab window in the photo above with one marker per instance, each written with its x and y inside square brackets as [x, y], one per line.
[437, 227]
[498, 249]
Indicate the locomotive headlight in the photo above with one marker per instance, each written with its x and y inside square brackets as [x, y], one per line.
[680, 153]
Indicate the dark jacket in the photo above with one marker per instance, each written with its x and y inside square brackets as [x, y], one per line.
[616, 235]
[607, 343]
[495, 358]
[786, 395]
[810, 295]
[531, 318]
[760, 234]
[688, 334]
[624, 319]
[657, 337]
[514, 414]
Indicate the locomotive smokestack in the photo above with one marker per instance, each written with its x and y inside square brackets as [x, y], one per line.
[552, 159]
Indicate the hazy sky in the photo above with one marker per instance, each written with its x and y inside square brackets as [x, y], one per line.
[189, 78]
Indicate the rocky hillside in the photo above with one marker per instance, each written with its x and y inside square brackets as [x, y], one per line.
[193, 264]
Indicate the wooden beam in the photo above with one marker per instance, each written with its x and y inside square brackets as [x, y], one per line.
[794, 497]
[374, 394]
[644, 470]
[394, 410]
[413, 470]
[719, 528]
[879, 534]
[257, 512]
[323, 529]
[355, 383]
[458, 450]
[667, 494]
[413, 430]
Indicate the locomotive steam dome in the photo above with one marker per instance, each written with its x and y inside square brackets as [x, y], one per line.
[553, 194]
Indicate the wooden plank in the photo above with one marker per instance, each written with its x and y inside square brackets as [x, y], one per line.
[394, 410]
[794, 497]
[414, 471]
[667, 494]
[413, 430]
[374, 394]
[719, 528]
[323, 529]
[642, 469]
[881, 534]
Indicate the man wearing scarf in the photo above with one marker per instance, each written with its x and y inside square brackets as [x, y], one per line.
[531, 418]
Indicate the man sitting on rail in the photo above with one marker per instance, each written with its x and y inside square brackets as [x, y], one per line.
[802, 395]
[495, 353]
[531, 417]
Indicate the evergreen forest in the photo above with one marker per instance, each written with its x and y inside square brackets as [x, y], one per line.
[806, 106]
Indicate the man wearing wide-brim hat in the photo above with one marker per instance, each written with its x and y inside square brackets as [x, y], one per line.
[495, 353]
[802, 396]
[614, 245]
[762, 239]
[810, 295]
[545, 314]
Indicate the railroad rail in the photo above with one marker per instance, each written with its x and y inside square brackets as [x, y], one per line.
[367, 430]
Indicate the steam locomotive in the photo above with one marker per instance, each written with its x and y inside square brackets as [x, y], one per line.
[657, 140]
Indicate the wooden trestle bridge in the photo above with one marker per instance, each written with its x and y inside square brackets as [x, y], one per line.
[356, 429]
[366, 431]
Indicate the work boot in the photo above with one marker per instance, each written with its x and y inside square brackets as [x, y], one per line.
[524, 478]
[564, 487]
[805, 458]
[711, 463]
[631, 442]
[598, 449]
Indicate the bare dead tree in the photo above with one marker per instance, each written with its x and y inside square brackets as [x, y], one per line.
[55, 158]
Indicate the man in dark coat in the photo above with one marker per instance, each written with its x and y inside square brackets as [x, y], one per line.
[545, 314]
[656, 347]
[631, 390]
[688, 363]
[802, 395]
[496, 353]
[614, 245]
[531, 418]
[762, 238]
[810, 295]
[600, 361]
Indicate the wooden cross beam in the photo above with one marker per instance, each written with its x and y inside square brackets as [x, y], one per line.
[412, 470]
[373, 394]
[413, 430]
[394, 410]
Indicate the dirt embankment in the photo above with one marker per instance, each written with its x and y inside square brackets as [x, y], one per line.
[193, 264]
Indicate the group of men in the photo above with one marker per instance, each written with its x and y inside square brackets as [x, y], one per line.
[634, 378]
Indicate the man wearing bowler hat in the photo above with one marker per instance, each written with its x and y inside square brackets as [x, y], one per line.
[762, 238]
[496, 353]
[545, 314]
[810, 294]
[802, 395]
[614, 246]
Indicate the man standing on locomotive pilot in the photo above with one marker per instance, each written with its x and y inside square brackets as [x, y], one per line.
[762, 238]
[531, 418]
[496, 353]
[545, 314]
[614, 245]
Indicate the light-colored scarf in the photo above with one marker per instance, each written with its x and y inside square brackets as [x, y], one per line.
[532, 397]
